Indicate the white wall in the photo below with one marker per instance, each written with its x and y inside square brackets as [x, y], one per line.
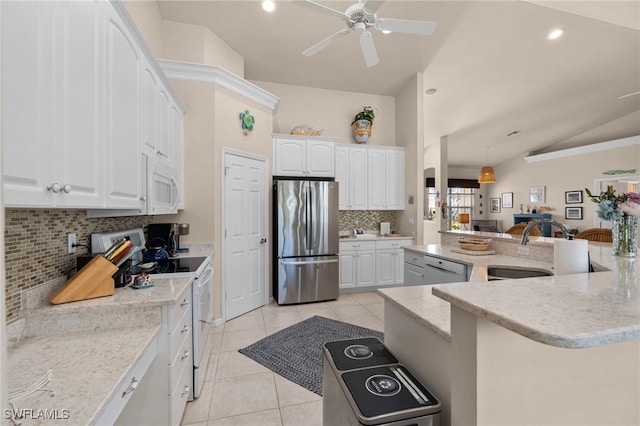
[331, 110]
[558, 176]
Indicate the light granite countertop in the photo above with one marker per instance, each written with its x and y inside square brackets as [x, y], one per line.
[375, 237]
[570, 311]
[87, 370]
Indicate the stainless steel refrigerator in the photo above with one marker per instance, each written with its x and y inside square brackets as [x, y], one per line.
[305, 239]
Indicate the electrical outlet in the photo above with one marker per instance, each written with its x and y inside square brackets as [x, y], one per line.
[412, 221]
[71, 243]
[523, 250]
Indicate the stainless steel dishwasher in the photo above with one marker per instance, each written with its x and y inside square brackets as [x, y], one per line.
[442, 271]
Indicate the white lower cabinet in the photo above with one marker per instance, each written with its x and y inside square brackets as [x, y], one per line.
[172, 371]
[357, 264]
[372, 263]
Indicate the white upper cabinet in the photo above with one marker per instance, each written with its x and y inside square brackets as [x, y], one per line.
[351, 174]
[123, 114]
[303, 157]
[386, 179]
[82, 100]
[52, 146]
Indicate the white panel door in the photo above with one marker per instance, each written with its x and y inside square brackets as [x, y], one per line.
[342, 176]
[290, 157]
[376, 179]
[394, 191]
[246, 212]
[385, 262]
[320, 158]
[366, 268]
[358, 178]
[347, 270]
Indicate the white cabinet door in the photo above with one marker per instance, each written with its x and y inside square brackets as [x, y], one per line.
[399, 266]
[176, 141]
[342, 176]
[394, 171]
[51, 80]
[150, 103]
[366, 268]
[358, 178]
[386, 179]
[348, 269]
[123, 85]
[163, 188]
[27, 127]
[376, 179]
[320, 158]
[385, 267]
[290, 157]
[163, 148]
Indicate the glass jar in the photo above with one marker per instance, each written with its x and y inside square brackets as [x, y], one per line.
[625, 236]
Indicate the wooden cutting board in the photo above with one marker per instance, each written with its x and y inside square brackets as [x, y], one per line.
[93, 280]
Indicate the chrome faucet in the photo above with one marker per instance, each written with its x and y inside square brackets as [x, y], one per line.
[529, 227]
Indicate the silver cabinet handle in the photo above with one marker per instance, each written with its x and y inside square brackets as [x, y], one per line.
[263, 240]
[185, 391]
[132, 387]
[54, 187]
[185, 355]
[143, 198]
[185, 302]
[185, 329]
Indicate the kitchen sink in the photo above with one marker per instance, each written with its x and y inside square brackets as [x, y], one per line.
[505, 272]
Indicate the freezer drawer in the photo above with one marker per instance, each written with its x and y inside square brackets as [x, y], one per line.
[307, 279]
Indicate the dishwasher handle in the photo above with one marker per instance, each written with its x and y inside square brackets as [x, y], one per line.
[441, 269]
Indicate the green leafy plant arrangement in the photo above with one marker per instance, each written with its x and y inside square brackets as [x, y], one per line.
[367, 113]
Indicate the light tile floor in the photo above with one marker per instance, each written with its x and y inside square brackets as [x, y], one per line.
[239, 391]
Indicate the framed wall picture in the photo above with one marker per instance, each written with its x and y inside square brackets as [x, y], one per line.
[537, 194]
[495, 205]
[573, 213]
[573, 197]
[507, 200]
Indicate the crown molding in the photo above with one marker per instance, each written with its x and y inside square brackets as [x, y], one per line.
[585, 149]
[219, 76]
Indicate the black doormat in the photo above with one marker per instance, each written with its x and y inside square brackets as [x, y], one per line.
[296, 354]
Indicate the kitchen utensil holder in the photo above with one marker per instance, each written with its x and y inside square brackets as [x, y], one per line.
[93, 280]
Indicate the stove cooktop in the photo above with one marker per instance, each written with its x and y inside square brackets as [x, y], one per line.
[178, 265]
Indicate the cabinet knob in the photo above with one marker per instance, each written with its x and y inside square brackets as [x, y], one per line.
[263, 240]
[185, 391]
[66, 188]
[185, 329]
[185, 355]
[184, 303]
[54, 187]
[143, 198]
[132, 387]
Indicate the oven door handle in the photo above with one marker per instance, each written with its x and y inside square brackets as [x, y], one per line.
[208, 273]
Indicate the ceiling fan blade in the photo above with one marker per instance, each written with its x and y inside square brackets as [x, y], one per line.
[324, 43]
[406, 26]
[321, 8]
[368, 49]
[372, 6]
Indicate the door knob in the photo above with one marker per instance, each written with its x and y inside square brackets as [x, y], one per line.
[263, 240]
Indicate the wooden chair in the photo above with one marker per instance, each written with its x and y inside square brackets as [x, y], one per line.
[602, 235]
[519, 228]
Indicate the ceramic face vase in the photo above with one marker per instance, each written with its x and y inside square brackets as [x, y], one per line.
[361, 130]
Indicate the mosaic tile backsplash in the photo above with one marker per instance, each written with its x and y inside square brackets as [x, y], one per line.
[36, 246]
[366, 219]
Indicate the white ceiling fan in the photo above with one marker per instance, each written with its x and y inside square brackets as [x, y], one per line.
[359, 17]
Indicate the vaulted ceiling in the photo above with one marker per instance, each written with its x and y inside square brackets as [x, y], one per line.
[493, 67]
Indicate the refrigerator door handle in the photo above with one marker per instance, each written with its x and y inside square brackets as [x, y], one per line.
[306, 262]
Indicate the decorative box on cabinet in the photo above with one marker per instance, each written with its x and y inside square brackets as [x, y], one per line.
[303, 157]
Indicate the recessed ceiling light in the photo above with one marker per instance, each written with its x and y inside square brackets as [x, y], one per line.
[430, 92]
[268, 5]
[555, 34]
[386, 31]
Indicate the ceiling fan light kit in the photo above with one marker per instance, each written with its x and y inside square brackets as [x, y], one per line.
[359, 17]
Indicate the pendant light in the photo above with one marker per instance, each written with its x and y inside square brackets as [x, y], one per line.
[486, 173]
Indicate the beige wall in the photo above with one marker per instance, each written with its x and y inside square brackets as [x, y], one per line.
[331, 110]
[409, 131]
[149, 21]
[558, 176]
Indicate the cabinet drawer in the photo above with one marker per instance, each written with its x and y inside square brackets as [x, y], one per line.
[414, 258]
[177, 310]
[181, 331]
[392, 244]
[127, 387]
[457, 268]
[182, 357]
[180, 394]
[354, 245]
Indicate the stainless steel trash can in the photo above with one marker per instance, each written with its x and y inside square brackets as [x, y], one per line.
[364, 384]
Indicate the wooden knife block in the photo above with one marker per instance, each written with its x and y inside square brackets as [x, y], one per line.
[93, 280]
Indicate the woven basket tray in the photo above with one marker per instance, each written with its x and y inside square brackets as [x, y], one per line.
[476, 244]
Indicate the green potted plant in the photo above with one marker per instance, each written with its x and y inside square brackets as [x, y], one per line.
[362, 123]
